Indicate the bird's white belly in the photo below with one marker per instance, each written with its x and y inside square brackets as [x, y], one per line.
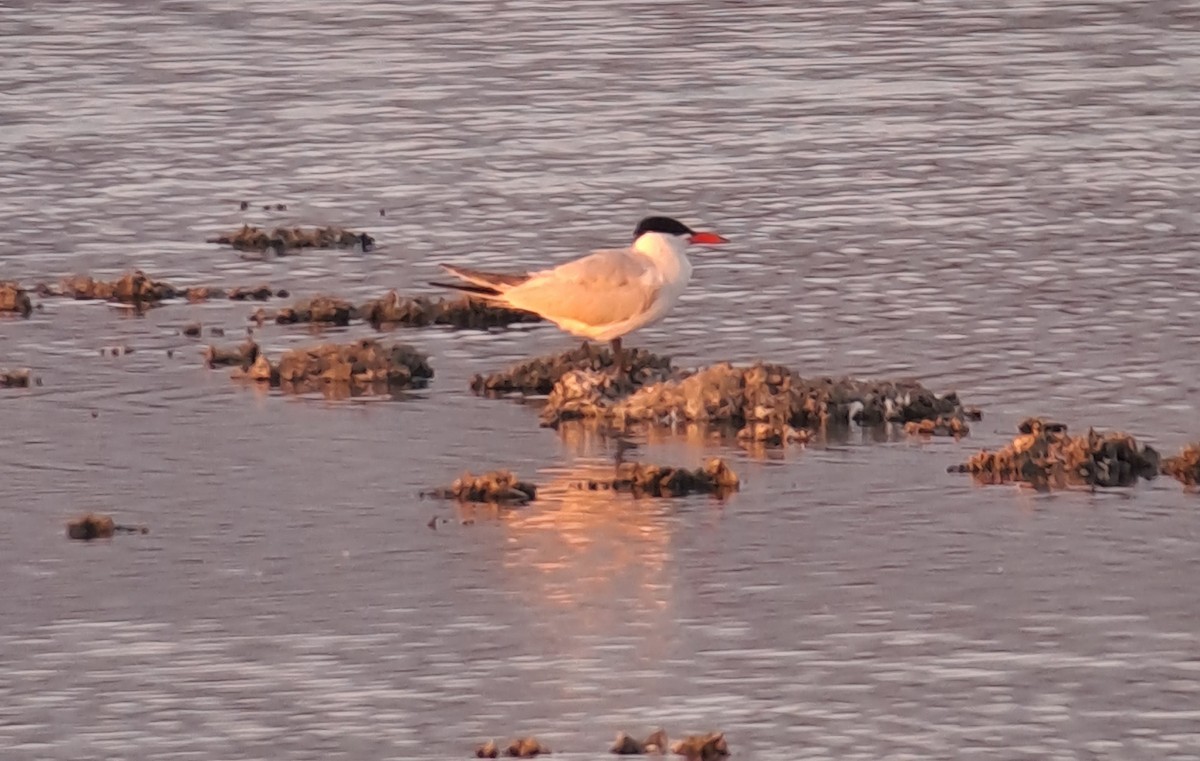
[667, 296]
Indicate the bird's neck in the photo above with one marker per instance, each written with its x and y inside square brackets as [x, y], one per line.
[668, 253]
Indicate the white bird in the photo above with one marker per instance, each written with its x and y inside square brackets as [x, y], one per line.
[606, 294]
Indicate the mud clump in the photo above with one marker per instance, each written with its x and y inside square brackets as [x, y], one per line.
[321, 309]
[242, 356]
[283, 239]
[526, 747]
[361, 365]
[204, 293]
[393, 309]
[715, 477]
[625, 745]
[498, 487]
[1185, 466]
[192, 329]
[251, 293]
[95, 526]
[942, 425]
[20, 378]
[1046, 456]
[13, 298]
[487, 750]
[541, 375]
[707, 747]
[768, 403]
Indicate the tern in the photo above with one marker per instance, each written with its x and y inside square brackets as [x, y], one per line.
[606, 294]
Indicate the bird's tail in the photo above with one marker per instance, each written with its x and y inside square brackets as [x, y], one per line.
[489, 285]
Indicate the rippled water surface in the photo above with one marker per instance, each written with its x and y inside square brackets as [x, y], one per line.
[994, 197]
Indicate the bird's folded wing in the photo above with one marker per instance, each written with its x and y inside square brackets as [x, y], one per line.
[603, 288]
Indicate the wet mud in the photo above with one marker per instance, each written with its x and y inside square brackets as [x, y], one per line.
[1185, 466]
[714, 477]
[540, 376]
[19, 378]
[626, 745]
[284, 239]
[14, 299]
[498, 487]
[1045, 456]
[96, 526]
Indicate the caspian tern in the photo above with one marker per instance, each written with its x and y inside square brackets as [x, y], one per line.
[606, 294]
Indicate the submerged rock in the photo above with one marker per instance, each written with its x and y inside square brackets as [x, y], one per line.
[251, 293]
[702, 747]
[715, 477]
[768, 403]
[499, 486]
[1046, 456]
[625, 745]
[242, 355]
[20, 378]
[393, 309]
[1184, 466]
[323, 309]
[96, 526]
[540, 375]
[13, 298]
[283, 239]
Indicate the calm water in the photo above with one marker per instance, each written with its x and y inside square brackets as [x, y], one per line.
[1001, 201]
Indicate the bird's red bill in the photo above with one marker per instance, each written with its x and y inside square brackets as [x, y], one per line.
[707, 238]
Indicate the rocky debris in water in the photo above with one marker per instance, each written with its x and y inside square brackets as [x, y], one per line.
[216, 331]
[324, 309]
[192, 329]
[251, 293]
[498, 486]
[539, 376]
[242, 356]
[204, 293]
[942, 425]
[283, 239]
[96, 526]
[526, 747]
[13, 298]
[769, 400]
[487, 750]
[702, 747]
[628, 746]
[131, 288]
[21, 378]
[359, 364]
[393, 309]
[715, 477]
[1046, 456]
[772, 434]
[1184, 466]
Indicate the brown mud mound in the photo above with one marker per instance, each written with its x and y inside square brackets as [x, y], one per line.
[20, 378]
[625, 745]
[359, 366]
[702, 747]
[320, 309]
[540, 375]
[1184, 466]
[499, 487]
[715, 477]
[1046, 456]
[283, 239]
[13, 298]
[393, 309]
[767, 402]
[96, 526]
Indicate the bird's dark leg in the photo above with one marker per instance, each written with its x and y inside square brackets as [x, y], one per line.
[618, 356]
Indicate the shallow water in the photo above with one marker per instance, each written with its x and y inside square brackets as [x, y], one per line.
[1000, 200]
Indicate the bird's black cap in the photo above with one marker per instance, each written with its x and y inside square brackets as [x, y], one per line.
[661, 225]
